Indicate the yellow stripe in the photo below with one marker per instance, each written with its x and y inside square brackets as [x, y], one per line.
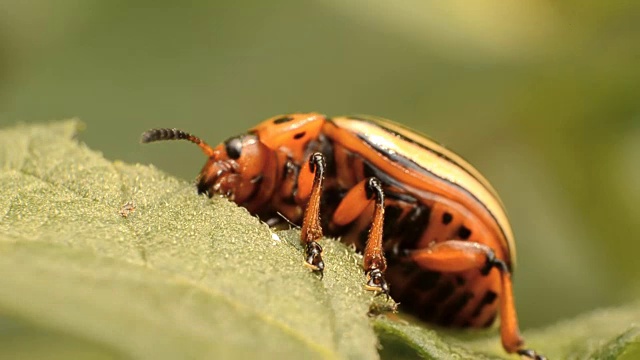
[455, 170]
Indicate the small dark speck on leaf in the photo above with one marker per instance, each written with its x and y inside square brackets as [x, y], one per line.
[127, 209]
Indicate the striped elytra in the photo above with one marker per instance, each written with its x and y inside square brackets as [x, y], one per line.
[433, 231]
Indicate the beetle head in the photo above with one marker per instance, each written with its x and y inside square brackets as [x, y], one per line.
[239, 168]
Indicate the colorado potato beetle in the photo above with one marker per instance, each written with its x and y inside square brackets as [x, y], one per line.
[424, 218]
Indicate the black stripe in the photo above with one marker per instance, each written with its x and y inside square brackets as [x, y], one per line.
[409, 140]
[372, 171]
[488, 299]
[398, 196]
[410, 164]
[448, 314]
[490, 321]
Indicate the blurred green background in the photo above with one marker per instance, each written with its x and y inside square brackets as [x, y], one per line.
[542, 96]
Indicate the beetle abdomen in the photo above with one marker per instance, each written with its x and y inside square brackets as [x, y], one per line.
[413, 223]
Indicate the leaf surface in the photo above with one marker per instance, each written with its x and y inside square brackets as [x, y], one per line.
[172, 274]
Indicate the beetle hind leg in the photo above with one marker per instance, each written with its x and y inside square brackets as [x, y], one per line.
[459, 255]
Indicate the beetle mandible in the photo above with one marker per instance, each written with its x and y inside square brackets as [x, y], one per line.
[424, 218]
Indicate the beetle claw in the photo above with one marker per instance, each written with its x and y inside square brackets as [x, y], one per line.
[377, 283]
[314, 258]
[530, 354]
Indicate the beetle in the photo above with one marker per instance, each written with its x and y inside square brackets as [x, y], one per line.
[424, 218]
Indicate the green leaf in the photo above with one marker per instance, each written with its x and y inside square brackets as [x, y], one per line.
[103, 260]
[401, 340]
[181, 276]
[602, 334]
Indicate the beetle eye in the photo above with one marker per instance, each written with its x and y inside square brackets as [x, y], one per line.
[233, 147]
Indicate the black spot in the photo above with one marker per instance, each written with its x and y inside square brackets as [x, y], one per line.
[282, 120]
[299, 135]
[233, 147]
[460, 280]
[464, 232]
[426, 280]
[490, 321]
[447, 218]
[488, 298]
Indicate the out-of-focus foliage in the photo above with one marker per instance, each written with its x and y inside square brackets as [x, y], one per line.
[542, 96]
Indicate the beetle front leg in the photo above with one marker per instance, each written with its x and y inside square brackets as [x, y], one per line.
[459, 255]
[352, 205]
[311, 229]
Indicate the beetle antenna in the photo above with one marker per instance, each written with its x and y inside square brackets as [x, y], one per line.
[175, 134]
[291, 224]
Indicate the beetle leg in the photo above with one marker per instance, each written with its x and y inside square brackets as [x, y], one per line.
[458, 255]
[352, 205]
[311, 229]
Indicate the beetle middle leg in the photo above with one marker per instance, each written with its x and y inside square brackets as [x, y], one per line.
[352, 205]
[310, 189]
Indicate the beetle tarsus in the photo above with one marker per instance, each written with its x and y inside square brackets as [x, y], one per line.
[530, 354]
[314, 257]
[376, 282]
